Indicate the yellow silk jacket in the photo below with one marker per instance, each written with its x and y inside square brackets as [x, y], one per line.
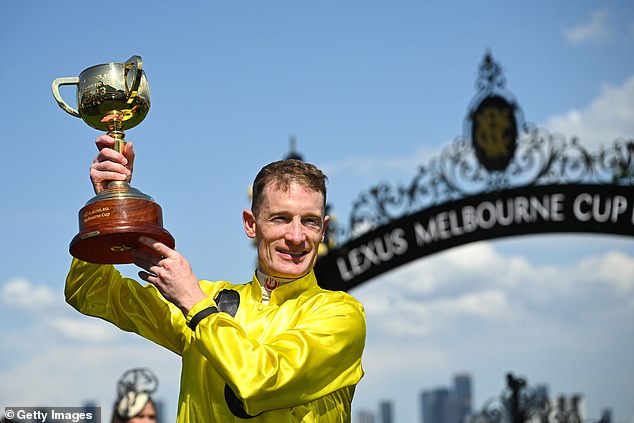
[297, 359]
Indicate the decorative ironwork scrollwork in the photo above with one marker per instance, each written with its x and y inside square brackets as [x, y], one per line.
[490, 76]
[538, 158]
[541, 158]
[521, 403]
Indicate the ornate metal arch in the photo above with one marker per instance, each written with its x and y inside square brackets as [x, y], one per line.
[490, 168]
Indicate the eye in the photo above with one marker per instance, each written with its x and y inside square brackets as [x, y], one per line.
[313, 222]
[279, 219]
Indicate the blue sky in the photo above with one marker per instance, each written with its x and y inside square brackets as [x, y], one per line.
[371, 90]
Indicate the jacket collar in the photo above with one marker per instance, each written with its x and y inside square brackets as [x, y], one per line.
[285, 292]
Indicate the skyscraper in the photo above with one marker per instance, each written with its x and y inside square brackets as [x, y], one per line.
[435, 406]
[365, 417]
[462, 395]
[443, 405]
[385, 408]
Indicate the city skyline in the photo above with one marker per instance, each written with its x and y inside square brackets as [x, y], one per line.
[453, 404]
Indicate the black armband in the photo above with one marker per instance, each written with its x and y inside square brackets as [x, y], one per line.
[201, 315]
[235, 404]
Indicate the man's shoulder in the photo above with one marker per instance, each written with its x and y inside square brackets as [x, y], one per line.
[328, 295]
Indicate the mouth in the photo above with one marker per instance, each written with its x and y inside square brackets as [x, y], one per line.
[294, 255]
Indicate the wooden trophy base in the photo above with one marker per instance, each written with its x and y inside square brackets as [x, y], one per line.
[110, 226]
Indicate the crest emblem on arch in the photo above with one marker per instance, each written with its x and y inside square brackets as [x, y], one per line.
[494, 132]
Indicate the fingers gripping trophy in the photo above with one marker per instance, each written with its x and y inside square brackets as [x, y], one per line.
[113, 97]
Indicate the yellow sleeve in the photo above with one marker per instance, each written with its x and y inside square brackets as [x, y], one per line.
[315, 350]
[101, 291]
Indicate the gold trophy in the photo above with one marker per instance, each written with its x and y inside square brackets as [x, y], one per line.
[113, 97]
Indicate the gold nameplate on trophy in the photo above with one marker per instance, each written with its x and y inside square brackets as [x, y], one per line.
[113, 97]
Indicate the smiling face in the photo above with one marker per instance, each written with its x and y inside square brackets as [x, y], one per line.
[288, 227]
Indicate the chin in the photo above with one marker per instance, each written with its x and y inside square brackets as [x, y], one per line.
[291, 269]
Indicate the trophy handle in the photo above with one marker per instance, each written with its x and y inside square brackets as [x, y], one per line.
[133, 73]
[65, 81]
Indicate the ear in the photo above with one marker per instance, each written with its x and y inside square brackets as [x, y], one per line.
[249, 223]
[323, 234]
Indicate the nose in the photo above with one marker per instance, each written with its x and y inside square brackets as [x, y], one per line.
[295, 233]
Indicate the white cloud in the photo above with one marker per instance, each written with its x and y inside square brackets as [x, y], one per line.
[55, 356]
[489, 304]
[69, 375]
[596, 30]
[614, 269]
[20, 293]
[39, 300]
[477, 284]
[83, 328]
[479, 307]
[605, 119]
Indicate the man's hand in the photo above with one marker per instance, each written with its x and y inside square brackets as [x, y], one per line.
[110, 165]
[170, 272]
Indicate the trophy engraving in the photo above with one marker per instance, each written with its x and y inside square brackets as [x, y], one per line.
[113, 97]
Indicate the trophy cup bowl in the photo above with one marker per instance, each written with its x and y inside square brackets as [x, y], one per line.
[113, 97]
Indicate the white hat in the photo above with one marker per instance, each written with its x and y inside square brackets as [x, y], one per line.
[131, 404]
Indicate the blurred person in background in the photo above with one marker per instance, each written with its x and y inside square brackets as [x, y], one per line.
[134, 403]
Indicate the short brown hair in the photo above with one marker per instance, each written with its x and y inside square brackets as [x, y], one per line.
[284, 172]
